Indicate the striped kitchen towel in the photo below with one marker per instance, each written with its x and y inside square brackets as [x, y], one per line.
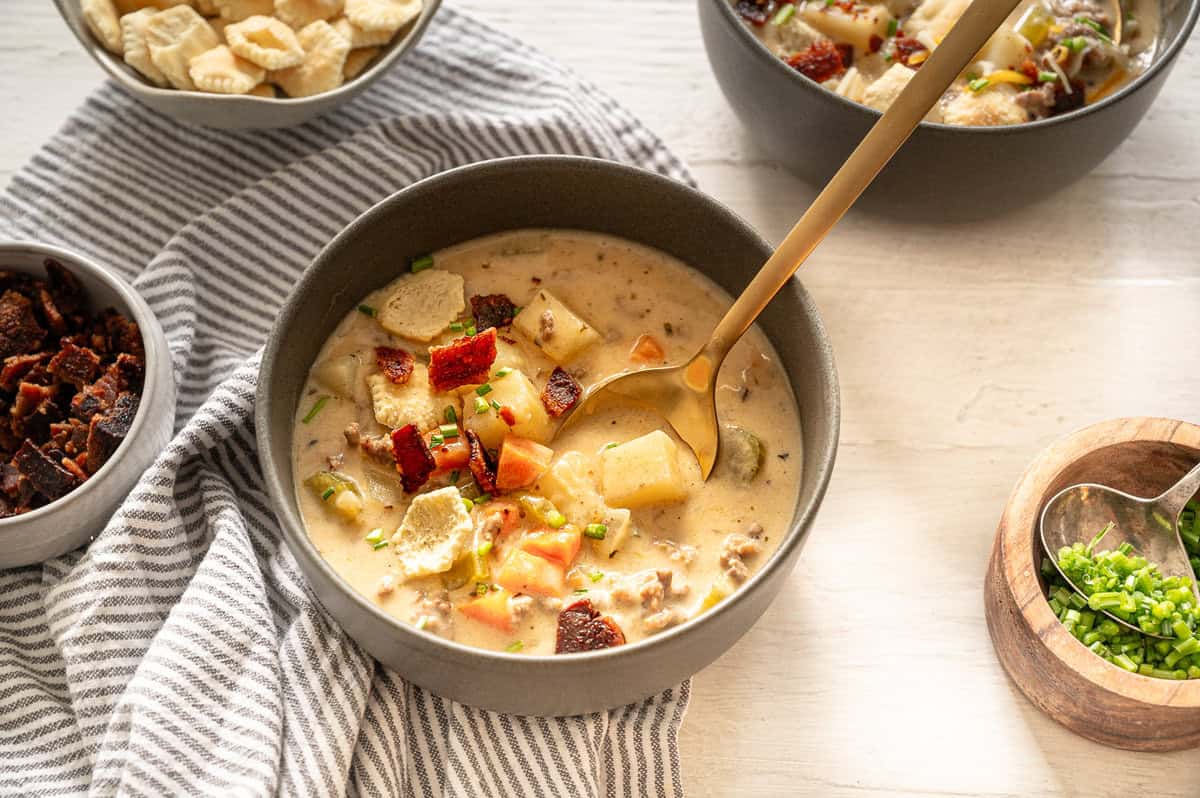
[183, 653]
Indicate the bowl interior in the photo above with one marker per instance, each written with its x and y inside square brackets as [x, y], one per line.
[1178, 19]
[1141, 468]
[545, 192]
[127, 76]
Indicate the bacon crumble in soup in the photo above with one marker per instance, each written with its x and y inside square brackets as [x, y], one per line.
[432, 480]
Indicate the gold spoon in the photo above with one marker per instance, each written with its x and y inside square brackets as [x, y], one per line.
[684, 394]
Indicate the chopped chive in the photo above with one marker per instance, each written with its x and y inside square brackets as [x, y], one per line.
[893, 26]
[481, 406]
[556, 520]
[449, 414]
[1047, 77]
[596, 577]
[448, 430]
[422, 621]
[470, 505]
[504, 372]
[481, 588]
[979, 84]
[1101, 31]
[1074, 43]
[495, 405]
[517, 312]
[316, 408]
[436, 439]
[471, 328]
[580, 590]
[612, 445]
[482, 498]
[379, 545]
[514, 647]
[367, 310]
[422, 263]
[457, 326]
[595, 531]
[484, 549]
[783, 15]
[375, 535]
[327, 493]
[483, 390]
[454, 475]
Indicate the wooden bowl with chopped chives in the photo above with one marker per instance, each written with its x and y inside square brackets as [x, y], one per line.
[1076, 686]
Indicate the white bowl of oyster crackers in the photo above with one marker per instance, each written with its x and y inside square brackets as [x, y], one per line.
[241, 64]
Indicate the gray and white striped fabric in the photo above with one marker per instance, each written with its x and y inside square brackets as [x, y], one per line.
[182, 653]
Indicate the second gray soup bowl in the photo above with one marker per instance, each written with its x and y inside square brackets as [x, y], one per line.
[944, 172]
[542, 192]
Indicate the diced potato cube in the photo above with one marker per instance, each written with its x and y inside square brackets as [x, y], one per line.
[508, 356]
[620, 526]
[433, 534]
[348, 505]
[516, 392]
[421, 305]
[796, 35]
[338, 373]
[554, 327]
[883, 92]
[414, 402]
[570, 484]
[642, 471]
[1007, 49]
[935, 18]
[855, 27]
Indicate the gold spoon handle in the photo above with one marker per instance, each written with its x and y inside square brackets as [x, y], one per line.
[944, 64]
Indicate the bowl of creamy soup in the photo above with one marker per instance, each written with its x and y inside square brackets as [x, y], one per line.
[1054, 90]
[409, 417]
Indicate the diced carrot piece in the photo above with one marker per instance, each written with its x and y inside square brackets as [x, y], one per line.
[450, 455]
[647, 350]
[490, 608]
[523, 572]
[556, 545]
[522, 461]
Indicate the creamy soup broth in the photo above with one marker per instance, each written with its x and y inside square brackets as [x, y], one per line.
[679, 558]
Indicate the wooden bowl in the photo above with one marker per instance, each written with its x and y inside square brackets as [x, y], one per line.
[1088, 695]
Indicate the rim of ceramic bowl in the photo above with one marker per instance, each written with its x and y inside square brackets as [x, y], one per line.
[125, 75]
[132, 304]
[293, 526]
[1160, 62]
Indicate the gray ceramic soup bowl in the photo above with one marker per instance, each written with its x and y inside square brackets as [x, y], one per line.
[237, 111]
[944, 171]
[71, 521]
[555, 192]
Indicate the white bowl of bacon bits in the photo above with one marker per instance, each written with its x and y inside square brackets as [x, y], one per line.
[87, 398]
[238, 64]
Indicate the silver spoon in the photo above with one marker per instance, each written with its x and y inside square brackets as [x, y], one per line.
[1151, 526]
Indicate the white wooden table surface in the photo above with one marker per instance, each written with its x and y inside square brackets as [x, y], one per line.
[962, 351]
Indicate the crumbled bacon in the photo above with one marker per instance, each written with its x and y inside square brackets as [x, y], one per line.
[396, 364]
[492, 310]
[465, 361]
[561, 393]
[414, 461]
[481, 463]
[70, 384]
[820, 61]
[906, 47]
[582, 628]
[756, 12]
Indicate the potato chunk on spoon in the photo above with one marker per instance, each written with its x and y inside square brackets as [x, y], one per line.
[684, 394]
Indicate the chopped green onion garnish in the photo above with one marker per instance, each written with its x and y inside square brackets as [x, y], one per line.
[580, 590]
[470, 505]
[483, 390]
[422, 263]
[783, 15]
[514, 647]
[379, 545]
[1074, 43]
[893, 26]
[457, 326]
[1101, 32]
[596, 577]
[481, 588]
[979, 84]
[436, 439]
[375, 535]
[504, 372]
[495, 405]
[367, 310]
[471, 328]
[422, 621]
[484, 549]
[454, 475]
[327, 493]
[612, 445]
[450, 416]
[481, 406]
[595, 531]
[556, 520]
[316, 408]
[482, 498]
[1047, 77]
[448, 430]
